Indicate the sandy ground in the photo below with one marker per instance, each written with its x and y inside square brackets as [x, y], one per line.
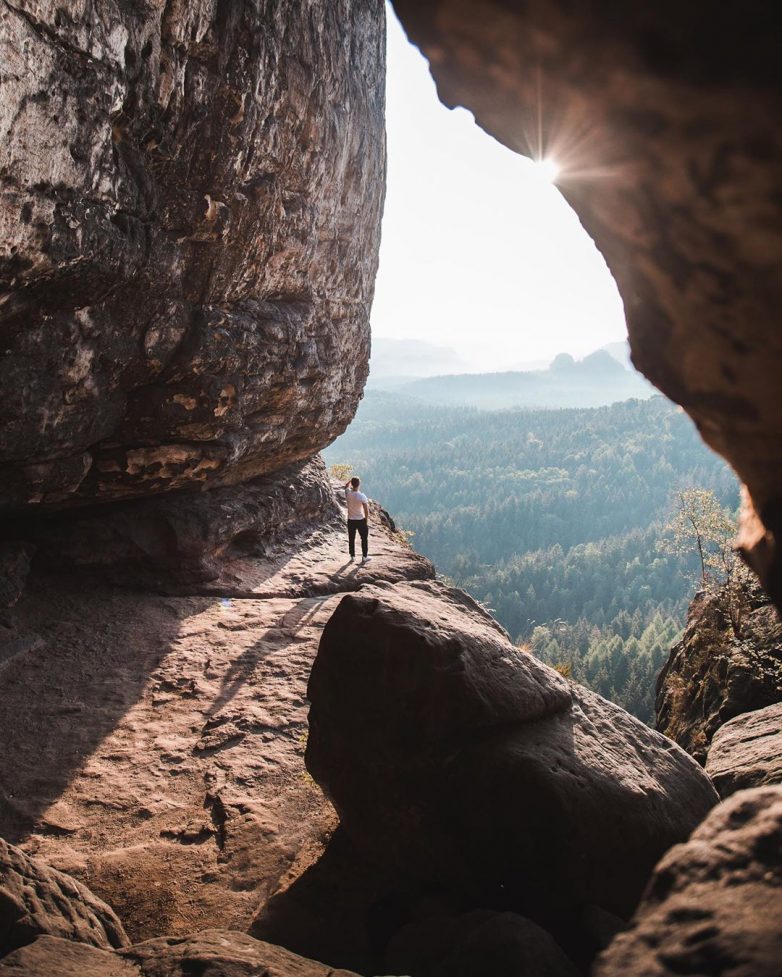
[153, 745]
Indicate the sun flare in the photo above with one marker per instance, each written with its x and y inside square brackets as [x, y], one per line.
[547, 169]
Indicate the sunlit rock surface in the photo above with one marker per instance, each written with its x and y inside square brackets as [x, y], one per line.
[191, 198]
[664, 121]
[747, 751]
[153, 744]
[218, 952]
[713, 674]
[36, 900]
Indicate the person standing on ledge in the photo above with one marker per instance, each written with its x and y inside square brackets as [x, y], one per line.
[358, 515]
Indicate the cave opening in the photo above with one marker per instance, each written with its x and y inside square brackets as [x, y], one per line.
[481, 254]
[503, 423]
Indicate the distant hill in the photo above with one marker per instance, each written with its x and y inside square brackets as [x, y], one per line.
[620, 352]
[399, 359]
[595, 381]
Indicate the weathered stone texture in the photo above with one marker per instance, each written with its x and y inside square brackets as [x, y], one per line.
[221, 953]
[189, 226]
[713, 675]
[714, 904]
[664, 119]
[183, 539]
[747, 751]
[36, 900]
[461, 761]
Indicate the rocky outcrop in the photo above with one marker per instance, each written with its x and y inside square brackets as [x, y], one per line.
[190, 226]
[747, 751]
[713, 905]
[185, 539]
[36, 900]
[465, 763]
[713, 675]
[222, 952]
[663, 120]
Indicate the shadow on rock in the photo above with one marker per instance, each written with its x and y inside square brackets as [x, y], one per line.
[462, 763]
[61, 695]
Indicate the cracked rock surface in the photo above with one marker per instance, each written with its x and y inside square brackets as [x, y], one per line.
[191, 199]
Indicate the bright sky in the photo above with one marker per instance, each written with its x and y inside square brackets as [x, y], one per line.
[479, 252]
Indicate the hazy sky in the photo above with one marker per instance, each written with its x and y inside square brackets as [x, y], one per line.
[479, 251]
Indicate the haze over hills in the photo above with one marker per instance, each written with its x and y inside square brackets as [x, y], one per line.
[595, 381]
[408, 358]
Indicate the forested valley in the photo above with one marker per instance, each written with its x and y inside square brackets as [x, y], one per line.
[551, 518]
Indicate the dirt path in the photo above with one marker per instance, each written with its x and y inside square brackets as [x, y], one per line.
[153, 745]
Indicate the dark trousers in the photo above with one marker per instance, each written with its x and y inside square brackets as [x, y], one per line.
[363, 531]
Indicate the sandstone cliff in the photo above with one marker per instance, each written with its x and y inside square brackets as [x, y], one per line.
[713, 674]
[190, 218]
[190, 225]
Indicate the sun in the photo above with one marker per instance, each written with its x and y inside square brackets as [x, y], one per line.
[547, 169]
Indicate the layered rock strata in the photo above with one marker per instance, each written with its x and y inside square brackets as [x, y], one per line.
[466, 764]
[663, 121]
[714, 904]
[185, 538]
[190, 226]
[747, 751]
[713, 674]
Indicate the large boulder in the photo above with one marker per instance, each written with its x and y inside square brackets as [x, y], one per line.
[464, 762]
[35, 899]
[191, 201]
[664, 121]
[713, 675]
[222, 953]
[714, 905]
[747, 751]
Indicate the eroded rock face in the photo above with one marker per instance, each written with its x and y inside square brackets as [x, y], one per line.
[747, 751]
[714, 904]
[462, 761]
[713, 675]
[664, 121]
[184, 539]
[36, 900]
[222, 952]
[190, 224]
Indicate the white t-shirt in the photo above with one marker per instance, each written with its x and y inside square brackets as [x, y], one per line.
[356, 502]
